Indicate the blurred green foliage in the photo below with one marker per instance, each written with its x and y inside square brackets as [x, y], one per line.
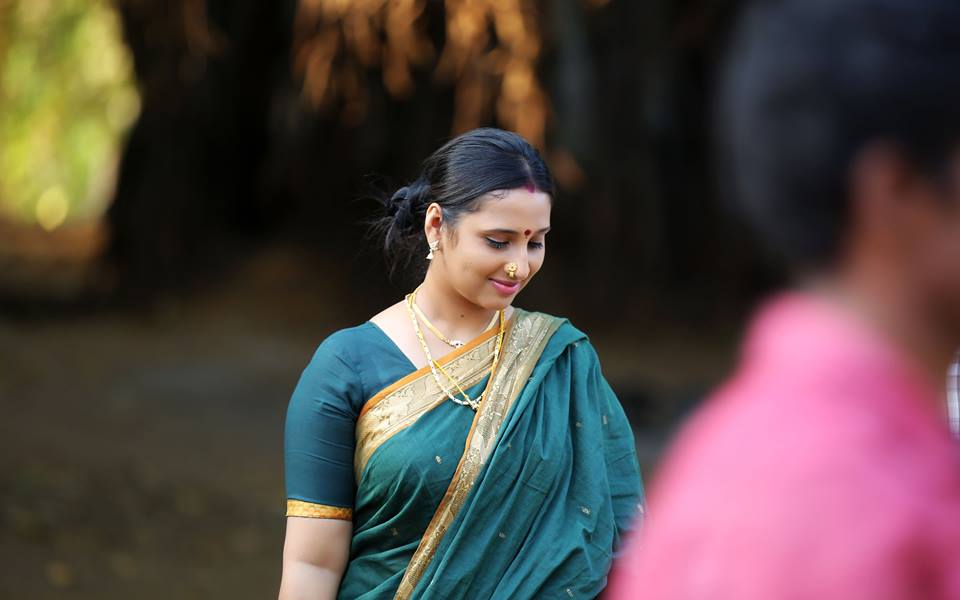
[67, 99]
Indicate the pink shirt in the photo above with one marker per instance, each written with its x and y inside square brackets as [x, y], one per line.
[823, 469]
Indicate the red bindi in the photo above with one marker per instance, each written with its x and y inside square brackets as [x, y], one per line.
[527, 232]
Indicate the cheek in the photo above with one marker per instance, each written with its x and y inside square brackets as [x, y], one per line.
[953, 264]
[951, 247]
[943, 261]
[536, 262]
[472, 265]
[947, 283]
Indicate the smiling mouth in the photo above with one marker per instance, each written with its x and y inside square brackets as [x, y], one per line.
[505, 289]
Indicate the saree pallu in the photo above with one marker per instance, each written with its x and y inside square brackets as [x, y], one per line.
[527, 498]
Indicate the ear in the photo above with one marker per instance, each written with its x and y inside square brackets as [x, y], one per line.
[433, 222]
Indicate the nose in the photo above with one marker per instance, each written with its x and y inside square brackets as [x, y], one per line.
[523, 265]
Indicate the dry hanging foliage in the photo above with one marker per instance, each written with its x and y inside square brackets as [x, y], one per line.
[490, 53]
[182, 24]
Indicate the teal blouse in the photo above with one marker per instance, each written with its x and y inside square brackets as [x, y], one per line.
[348, 368]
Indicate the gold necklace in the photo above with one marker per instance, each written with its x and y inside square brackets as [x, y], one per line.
[436, 366]
[437, 332]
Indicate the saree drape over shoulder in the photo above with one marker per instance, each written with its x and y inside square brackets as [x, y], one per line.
[526, 498]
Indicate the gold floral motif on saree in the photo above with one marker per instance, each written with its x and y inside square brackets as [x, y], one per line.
[527, 338]
[402, 403]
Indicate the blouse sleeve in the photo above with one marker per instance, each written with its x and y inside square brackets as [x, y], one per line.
[319, 438]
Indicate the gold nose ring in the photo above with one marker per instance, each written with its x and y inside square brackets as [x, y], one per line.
[511, 270]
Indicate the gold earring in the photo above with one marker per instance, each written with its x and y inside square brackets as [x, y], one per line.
[511, 269]
[434, 246]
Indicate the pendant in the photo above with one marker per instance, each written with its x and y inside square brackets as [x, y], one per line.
[456, 344]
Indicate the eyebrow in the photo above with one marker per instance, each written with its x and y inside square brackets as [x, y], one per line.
[512, 232]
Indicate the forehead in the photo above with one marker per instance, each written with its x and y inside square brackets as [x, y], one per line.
[514, 209]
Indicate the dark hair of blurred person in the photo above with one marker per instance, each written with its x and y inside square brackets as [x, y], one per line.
[824, 467]
[815, 90]
[455, 446]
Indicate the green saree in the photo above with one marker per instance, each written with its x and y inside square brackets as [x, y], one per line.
[527, 498]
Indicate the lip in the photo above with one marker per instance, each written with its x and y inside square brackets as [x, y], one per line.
[505, 288]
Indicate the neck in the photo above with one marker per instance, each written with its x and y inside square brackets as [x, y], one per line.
[898, 313]
[449, 311]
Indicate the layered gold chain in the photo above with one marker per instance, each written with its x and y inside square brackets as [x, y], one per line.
[437, 369]
[433, 329]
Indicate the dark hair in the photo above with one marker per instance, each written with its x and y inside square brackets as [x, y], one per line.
[808, 84]
[456, 177]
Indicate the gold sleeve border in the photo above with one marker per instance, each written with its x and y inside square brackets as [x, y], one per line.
[299, 508]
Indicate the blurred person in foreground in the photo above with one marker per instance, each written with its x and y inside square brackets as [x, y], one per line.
[824, 467]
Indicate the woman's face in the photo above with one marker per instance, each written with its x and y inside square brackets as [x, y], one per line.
[510, 227]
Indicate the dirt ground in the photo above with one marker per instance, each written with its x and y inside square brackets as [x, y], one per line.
[141, 453]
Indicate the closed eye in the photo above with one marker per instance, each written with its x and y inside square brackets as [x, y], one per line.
[536, 245]
[497, 244]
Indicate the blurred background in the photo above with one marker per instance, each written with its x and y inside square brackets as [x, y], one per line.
[182, 221]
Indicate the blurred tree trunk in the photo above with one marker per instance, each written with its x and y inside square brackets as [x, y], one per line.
[190, 172]
[573, 85]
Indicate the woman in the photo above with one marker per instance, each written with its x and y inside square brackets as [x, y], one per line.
[454, 446]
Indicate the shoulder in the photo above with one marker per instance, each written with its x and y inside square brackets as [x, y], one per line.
[352, 343]
[565, 336]
[333, 378]
[345, 341]
[343, 349]
[561, 325]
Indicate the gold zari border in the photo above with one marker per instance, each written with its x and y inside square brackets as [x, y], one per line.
[527, 338]
[402, 403]
[299, 508]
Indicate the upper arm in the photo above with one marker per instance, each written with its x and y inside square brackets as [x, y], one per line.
[318, 463]
[319, 438]
[315, 555]
[323, 543]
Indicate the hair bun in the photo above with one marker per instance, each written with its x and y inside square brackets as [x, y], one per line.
[400, 207]
[406, 203]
